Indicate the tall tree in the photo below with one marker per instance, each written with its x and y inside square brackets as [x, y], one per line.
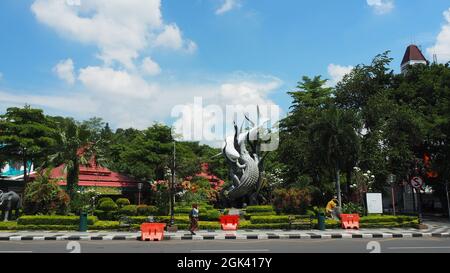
[26, 135]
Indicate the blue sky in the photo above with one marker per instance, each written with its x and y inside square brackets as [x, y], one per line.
[131, 61]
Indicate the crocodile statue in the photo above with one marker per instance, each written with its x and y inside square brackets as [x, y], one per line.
[245, 167]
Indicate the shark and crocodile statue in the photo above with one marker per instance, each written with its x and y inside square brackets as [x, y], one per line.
[243, 153]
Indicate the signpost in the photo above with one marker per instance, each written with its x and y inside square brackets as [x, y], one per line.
[374, 203]
[417, 183]
[391, 181]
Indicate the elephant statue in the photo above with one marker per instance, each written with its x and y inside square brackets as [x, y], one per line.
[9, 201]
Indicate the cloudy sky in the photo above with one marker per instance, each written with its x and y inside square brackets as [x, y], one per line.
[131, 61]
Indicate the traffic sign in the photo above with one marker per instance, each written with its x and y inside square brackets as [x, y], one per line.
[417, 182]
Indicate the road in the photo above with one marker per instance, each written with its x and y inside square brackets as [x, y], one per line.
[392, 245]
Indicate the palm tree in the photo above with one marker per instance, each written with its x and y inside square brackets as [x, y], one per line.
[75, 148]
[334, 136]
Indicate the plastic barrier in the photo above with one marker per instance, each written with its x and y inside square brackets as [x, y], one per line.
[350, 221]
[152, 231]
[229, 222]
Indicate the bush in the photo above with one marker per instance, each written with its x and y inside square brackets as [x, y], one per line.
[130, 210]
[108, 205]
[352, 208]
[122, 202]
[259, 209]
[292, 200]
[269, 219]
[106, 215]
[44, 196]
[105, 225]
[144, 210]
[8, 225]
[53, 220]
[211, 215]
[103, 199]
[160, 219]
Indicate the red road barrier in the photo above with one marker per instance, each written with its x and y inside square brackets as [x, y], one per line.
[350, 221]
[152, 231]
[229, 222]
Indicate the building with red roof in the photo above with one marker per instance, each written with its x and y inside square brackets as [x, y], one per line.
[413, 56]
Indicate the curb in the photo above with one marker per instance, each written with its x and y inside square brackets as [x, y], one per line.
[310, 236]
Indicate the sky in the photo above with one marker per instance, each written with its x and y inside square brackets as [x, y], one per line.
[135, 62]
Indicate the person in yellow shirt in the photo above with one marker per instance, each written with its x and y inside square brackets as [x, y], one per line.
[332, 208]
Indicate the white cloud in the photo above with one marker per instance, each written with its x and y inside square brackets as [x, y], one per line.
[65, 71]
[442, 46]
[149, 67]
[226, 103]
[121, 29]
[110, 82]
[337, 73]
[227, 6]
[381, 6]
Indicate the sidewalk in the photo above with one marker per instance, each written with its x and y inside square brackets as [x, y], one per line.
[440, 231]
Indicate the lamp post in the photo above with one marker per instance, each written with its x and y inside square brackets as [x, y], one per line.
[172, 203]
[391, 181]
[139, 196]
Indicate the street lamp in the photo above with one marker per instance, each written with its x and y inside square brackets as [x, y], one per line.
[172, 203]
[139, 188]
[391, 180]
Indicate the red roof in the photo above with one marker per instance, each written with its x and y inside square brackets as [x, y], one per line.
[413, 53]
[95, 176]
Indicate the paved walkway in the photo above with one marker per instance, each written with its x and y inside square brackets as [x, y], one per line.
[434, 229]
[442, 232]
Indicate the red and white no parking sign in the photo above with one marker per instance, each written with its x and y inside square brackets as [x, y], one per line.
[417, 182]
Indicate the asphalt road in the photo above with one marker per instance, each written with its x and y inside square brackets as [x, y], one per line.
[392, 245]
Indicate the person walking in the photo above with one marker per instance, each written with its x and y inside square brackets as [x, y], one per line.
[193, 216]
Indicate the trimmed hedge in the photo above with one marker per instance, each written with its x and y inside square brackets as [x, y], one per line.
[269, 219]
[162, 219]
[129, 210]
[53, 220]
[106, 215]
[105, 225]
[144, 210]
[122, 202]
[387, 218]
[257, 209]
[108, 206]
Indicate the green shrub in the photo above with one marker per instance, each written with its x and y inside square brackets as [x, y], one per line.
[45, 196]
[160, 219]
[387, 218]
[292, 200]
[258, 209]
[269, 219]
[8, 225]
[122, 202]
[352, 208]
[108, 206]
[103, 199]
[144, 210]
[105, 225]
[211, 215]
[53, 220]
[248, 216]
[106, 215]
[129, 210]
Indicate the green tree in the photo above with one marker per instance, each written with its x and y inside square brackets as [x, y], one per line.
[27, 135]
[335, 140]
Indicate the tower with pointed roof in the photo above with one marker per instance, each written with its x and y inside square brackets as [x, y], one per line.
[413, 56]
